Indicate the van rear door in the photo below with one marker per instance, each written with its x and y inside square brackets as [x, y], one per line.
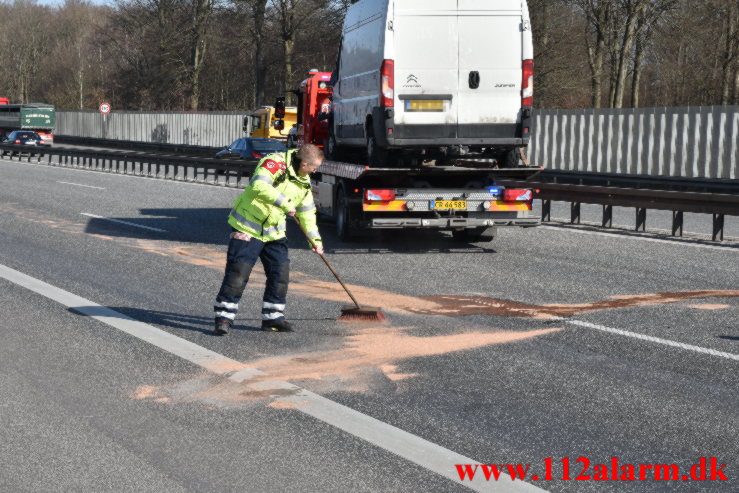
[426, 41]
[490, 54]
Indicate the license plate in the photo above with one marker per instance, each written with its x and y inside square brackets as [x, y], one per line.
[424, 105]
[457, 205]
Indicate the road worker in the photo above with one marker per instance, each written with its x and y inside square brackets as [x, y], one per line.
[279, 187]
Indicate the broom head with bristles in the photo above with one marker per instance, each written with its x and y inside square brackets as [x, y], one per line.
[368, 313]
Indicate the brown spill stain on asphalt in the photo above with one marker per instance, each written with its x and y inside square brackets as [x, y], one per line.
[368, 362]
[466, 305]
[283, 404]
[371, 357]
[707, 306]
[151, 393]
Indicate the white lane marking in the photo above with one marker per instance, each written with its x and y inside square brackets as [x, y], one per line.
[675, 242]
[80, 185]
[658, 340]
[122, 222]
[426, 454]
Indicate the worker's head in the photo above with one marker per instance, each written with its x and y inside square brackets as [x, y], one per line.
[309, 158]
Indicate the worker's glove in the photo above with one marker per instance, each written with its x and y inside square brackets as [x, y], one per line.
[318, 249]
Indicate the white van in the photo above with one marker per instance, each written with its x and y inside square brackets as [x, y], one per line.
[439, 78]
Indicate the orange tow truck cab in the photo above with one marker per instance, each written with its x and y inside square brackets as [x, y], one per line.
[314, 108]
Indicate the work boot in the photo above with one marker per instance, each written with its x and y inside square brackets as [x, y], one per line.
[223, 325]
[281, 325]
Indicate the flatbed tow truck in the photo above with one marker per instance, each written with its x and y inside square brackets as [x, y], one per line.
[466, 199]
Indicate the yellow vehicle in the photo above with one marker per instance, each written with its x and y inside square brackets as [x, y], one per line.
[263, 122]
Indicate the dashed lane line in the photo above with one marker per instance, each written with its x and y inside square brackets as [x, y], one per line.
[123, 222]
[80, 185]
[658, 340]
[413, 448]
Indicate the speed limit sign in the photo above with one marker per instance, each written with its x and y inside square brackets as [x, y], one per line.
[105, 108]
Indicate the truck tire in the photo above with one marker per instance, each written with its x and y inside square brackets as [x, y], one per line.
[376, 156]
[474, 235]
[345, 229]
[332, 150]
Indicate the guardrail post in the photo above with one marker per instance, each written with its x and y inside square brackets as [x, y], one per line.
[607, 216]
[575, 212]
[677, 223]
[641, 219]
[718, 227]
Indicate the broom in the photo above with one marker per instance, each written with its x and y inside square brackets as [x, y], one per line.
[348, 312]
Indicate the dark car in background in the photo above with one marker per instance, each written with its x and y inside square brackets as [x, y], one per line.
[24, 138]
[251, 149]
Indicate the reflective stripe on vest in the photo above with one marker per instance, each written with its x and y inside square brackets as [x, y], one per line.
[280, 200]
[258, 227]
[260, 178]
[306, 208]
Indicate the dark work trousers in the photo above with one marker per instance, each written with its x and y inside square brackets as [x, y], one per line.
[242, 255]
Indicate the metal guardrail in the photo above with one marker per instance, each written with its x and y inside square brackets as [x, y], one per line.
[179, 168]
[135, 145]
[641, 199]
[640, 181]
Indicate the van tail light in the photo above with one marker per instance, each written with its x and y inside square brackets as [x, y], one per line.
[17, 141]
[516, 195]
[256, 155]
[527, 91]
[387, 78]
[379, 194]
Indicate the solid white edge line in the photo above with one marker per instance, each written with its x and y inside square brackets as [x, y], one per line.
[122, 222]
[80, 185]
[413, 448]
[640, 238]
[659, 340]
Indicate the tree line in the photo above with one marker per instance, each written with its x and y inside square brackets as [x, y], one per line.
[211, 55]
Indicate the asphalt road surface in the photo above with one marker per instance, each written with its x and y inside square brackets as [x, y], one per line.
[612, 353]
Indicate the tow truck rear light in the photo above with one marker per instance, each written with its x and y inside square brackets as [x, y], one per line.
[527, 88]
[17, 141]
[387, 78]
[516, 195]
[380, 194]
[256, 155]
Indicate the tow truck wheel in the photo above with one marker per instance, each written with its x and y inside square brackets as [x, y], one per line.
[376, 156]
[474, 235]
[331, 151]
[344, 227]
